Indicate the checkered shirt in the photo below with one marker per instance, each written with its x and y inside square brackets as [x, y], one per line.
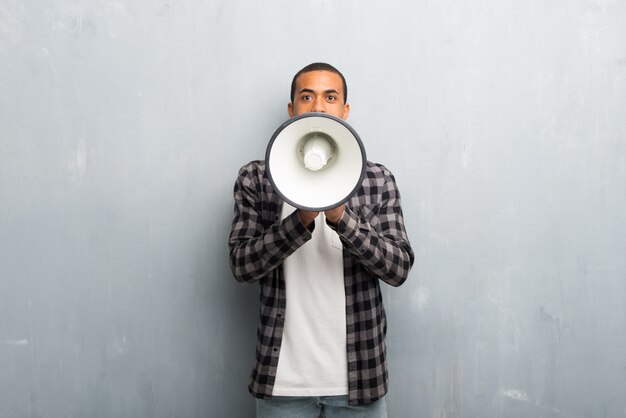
[375, 247]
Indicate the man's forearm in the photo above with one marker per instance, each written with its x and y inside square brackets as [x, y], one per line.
[254, 255]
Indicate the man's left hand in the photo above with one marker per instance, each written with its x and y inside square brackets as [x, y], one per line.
[333, 215]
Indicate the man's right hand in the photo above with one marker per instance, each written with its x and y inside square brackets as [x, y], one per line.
[307, 217]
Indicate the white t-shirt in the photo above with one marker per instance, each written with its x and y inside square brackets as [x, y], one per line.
[313, 359]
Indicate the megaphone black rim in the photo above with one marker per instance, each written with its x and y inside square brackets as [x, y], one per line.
[268, 167]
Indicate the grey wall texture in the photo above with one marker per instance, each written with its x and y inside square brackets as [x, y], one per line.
[123, 125]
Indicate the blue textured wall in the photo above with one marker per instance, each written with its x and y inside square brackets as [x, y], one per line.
[123, 125]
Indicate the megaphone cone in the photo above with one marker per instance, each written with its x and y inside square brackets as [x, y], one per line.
[315, 161]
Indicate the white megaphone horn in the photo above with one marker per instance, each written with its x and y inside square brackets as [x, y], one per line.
[315, 161]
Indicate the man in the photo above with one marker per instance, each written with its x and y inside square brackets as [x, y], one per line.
[321, 336]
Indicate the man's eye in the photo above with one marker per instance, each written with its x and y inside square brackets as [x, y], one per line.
[331, 98]
[307, 97]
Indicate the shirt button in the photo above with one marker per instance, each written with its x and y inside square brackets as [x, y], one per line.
[275, 349]
[279, 315]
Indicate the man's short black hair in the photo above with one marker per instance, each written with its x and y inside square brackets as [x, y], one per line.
[319, 66]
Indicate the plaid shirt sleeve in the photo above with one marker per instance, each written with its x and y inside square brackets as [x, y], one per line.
[372, 228]
[257, 244]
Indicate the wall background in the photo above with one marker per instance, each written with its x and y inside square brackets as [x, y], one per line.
[123, 125]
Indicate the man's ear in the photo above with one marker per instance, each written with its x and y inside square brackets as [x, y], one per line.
[290, 109]
[346, 111]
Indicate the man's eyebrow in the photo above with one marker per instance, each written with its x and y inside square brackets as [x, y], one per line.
[305, 90]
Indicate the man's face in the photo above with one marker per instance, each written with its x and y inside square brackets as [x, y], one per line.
[319, 91]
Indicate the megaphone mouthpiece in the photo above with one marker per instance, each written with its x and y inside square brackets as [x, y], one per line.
[317, 151]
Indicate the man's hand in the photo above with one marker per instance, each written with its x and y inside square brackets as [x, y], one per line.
[307, 217]
[333, 215]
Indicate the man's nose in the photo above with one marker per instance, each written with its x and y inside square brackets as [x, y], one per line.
[318, 105]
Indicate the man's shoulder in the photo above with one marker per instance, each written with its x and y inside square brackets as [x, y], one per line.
[252, 174]
[377, 170]
[253, 165]
[255, 168]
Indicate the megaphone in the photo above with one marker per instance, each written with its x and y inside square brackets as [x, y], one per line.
[315, 161]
